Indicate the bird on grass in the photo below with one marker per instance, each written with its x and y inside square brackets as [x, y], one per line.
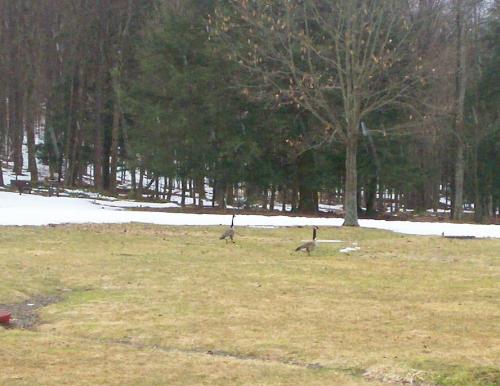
[310, 245]
[229, 232]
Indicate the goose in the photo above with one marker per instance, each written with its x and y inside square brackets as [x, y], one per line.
[229, 232]
[310, 245]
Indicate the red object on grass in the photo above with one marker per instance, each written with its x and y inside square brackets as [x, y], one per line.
[4, 317]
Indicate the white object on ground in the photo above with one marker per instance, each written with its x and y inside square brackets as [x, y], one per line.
[349, 249]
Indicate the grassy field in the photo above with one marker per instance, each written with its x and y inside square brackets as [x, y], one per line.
[151, 305]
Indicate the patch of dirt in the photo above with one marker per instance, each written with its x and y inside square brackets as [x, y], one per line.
[25, 314]
[215, 353]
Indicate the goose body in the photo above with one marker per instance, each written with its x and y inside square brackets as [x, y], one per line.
[310, 245]
[229, 233]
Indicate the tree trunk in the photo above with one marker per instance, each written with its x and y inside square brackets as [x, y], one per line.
[458, 201]
[170, 188]
[99, 109]
[199, 184]
[460, 80]
[164, 190]
[214, 192]
[446, 195]
[489, 207]
[69, 137]
[30, 133]
[191, 189]
[199, 187]
[183, 193]
[115, 133]
[201, 193]
[264, 198]
[1, 173]
[273, 198]
[371, 196]
[106, 154]
[76, 165]
[478, 206]
[229, 195]
[435, 193]
[293, 201]
[305, 170]
[133, 180]
[283, 198]
[98, 143]
[141, 182]
[3, 118]
[351, 183]
[16, 131]
[13, 25]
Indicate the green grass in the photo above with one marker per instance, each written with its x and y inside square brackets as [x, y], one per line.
[143, 305]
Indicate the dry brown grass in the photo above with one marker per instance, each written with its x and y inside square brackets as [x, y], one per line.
[147, 304]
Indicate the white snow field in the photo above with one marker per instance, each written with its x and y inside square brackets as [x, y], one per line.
[30, 209]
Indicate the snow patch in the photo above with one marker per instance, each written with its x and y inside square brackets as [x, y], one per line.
[28, 209]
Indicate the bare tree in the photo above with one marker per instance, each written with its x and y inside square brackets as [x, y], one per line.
[340, 60]
[459, 127]
[116, 75]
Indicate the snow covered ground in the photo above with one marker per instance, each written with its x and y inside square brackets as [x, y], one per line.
[39, 210]
[28, 209]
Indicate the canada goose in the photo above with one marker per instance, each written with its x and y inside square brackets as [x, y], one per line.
[310, 245]
[229, 233]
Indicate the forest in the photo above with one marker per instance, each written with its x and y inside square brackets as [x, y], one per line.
[379, 105]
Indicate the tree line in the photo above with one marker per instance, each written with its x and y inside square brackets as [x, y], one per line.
[367, 103]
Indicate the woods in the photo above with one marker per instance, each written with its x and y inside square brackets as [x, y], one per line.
[376, 105]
